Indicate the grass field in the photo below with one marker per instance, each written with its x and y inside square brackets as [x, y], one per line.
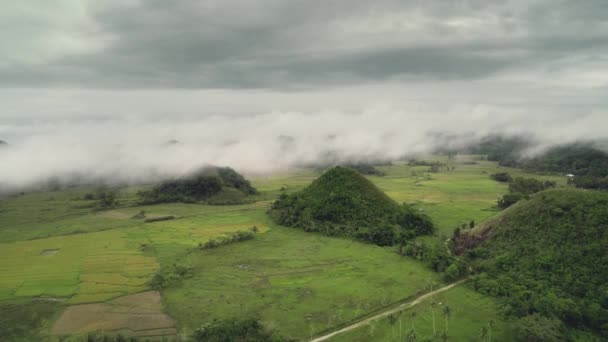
[469, 313]
[296, 282]
[54, 246]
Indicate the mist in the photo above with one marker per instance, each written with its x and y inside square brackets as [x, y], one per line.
[139, 150]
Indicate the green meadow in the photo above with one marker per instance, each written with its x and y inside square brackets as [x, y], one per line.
[298, 283]
[56, 249]
[469, 313]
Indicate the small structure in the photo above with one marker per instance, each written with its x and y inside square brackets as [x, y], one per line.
[570, 175]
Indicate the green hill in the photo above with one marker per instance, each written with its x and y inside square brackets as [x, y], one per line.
[344, 202]
[579, 159]
[548, 257]
[214, 185]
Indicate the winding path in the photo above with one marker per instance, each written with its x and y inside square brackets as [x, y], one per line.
[382, 314]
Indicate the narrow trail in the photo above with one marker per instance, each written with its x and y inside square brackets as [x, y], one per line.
[382, 314]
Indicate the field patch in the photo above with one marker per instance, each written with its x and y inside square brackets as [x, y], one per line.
[99, 265]
[138, 315]
[297, 282]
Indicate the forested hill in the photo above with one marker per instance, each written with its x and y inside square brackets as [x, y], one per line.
[215, 185]
[547, 256]
[578, 159]
[344, 202]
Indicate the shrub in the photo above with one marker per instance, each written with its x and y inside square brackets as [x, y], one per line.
[170, 275]
[159, 218]
[248, 330]
[503, 177]
[228, 239]
[106, 198]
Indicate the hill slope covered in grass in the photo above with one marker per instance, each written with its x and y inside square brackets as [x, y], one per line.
[344, 202]
[215, 185]
[547, 257]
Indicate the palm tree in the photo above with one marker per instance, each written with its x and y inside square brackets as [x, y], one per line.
[411, 337]
[490, 326]
[413, 315]
[399, 328]
[483, 332]
[446, 314]
[433, 303]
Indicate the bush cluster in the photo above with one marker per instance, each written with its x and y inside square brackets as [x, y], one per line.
[170, 275]
[503, 177]
[229, 238]
[522, 188]
[247, 330]
[197, 187]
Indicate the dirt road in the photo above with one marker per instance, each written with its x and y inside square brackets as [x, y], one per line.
[386, 313]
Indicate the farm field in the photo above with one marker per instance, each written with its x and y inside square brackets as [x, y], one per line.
[53, 246]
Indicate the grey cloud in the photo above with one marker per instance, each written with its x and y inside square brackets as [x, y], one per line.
[291, 44]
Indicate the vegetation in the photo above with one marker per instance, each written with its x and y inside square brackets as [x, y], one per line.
[503, 177]
[460, 315]
[521, 188]
[296, 282]
[232, 330]
[590, 182]
[506, 150]
[547, 256]
[171, 275]
[364, 169]
[159, 218]
[53, 246]
[198, 187]
[105, 198]
[228, 239]
[25, 321]
[343, 202]
[579, 159]
[539, 328]
[435, 255]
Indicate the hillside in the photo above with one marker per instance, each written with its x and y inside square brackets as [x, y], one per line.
[547, 256]
[344, 202]
[215, 185]
[578, 159]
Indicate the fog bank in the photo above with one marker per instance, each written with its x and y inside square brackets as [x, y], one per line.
[136, 150]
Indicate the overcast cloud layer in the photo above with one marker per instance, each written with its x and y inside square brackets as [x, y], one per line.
[97, 86]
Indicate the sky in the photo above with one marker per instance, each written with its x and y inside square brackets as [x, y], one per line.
[100, 86]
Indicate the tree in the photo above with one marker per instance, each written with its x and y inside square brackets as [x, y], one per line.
[537, 328]
[233, 330]
[490, 326]
[508, 200]
[503, 177]
[413, 317]
[433, 304]
[106, 198]
[483, 332]
[446, 314]
[411, 336]
[472, 224]
[452, 272]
